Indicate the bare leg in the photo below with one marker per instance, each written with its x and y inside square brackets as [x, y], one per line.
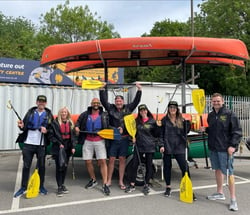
[110, 169]
[90, 169]
[104, 170]
[122, 164]
[219, 180]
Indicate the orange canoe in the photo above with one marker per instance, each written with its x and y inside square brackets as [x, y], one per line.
[160, 50]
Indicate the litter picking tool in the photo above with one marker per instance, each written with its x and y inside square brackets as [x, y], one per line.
[10, 106]
[73, 167]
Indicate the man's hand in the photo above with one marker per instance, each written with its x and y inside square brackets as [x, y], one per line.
[20, 123]
[138, 86]
[43, 130]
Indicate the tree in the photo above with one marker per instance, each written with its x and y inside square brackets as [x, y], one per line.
[64, 24]
[17, 38]
[230, 19]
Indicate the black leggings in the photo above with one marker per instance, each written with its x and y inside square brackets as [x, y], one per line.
[167, 161]
[61, 172]
[148, 163]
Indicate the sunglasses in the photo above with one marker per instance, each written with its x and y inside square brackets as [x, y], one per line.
[172, 107]
[96, 103]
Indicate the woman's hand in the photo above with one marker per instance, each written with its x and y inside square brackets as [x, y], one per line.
[162, 149]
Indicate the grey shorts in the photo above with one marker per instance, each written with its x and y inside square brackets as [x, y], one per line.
[91, 148]
[221, 161]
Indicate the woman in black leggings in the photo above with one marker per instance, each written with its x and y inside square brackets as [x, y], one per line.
[62, 135]
[173, 143]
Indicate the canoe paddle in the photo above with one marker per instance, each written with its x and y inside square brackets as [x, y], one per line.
[130, 125]
[112, 134]
[199, 101]
[186, 187]
[95, 84]
[33, 185]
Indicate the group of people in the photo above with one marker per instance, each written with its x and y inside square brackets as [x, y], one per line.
[39, 129]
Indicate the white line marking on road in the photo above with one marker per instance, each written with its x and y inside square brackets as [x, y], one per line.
[15, 201]
[103, 199]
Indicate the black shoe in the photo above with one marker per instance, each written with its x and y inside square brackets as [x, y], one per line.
[130, 189]
[59, 192]
[167, 192]
[91, 184]
[105, 189]
[194, 197]
[146, 189]
[65, 190]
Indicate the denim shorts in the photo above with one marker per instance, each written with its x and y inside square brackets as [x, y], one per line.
[221, 161]
[119, 148]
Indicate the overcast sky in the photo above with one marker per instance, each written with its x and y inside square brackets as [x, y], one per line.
[130, 18]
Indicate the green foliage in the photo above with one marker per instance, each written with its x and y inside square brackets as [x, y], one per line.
[17, 38]
[64, 24]
[217, 18]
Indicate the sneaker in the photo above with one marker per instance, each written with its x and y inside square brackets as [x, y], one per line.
[146, 189]
[216, 196]
[130, 188]
[167, 192]
[43, 190]
[20, 192]
[65, 190]
[91, 184]
[105, 189]
[59, 192]
[194, 197]
[233, 206]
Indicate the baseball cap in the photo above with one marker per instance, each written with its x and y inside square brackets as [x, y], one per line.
[142, 106]
[41, 98]
[173, 103]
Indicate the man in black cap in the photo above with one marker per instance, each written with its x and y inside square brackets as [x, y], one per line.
[34, 136]
[119, 148]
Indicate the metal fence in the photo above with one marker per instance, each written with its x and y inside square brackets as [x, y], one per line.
[239, 105]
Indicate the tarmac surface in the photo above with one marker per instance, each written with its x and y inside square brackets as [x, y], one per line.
[92, 201]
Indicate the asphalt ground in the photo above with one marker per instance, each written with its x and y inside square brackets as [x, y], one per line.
[92, 201]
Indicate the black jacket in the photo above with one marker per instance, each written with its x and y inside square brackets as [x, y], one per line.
[146, 134]
[23, 136]
[55, 137]
[82, 120]
[174, 139]
[116, 117]
[223, 130]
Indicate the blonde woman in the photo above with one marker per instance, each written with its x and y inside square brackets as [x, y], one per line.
[174, 140]
[62, 136]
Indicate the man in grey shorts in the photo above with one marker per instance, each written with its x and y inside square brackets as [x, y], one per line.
[93, 120]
